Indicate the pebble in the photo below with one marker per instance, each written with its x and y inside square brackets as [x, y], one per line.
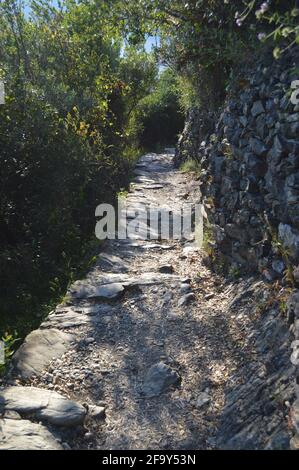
[159, 378]
[184, 288]
[186, 280]
[278, 266]
[202, 399]
[173, 316]
[97, 412]
[167, 298]
[186, 299]
[89, 340]
[209, 296]
[166, 269]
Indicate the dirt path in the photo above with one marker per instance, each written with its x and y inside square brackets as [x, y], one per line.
[185, 320]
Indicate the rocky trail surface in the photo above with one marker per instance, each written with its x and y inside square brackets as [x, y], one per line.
[153, 350]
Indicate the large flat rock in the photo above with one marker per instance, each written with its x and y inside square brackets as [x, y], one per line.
[39, 349]
[71, 317]
[111, 291]
[67, 323]
[24, 435]
[66, 320]
[112, 263]
[44, 405]
[112, 285]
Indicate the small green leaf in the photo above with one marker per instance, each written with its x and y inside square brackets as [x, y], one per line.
[277, 53]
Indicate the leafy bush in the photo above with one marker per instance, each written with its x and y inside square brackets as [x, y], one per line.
[159, 115]
[275, 21]
[206, 41]
[64, 146]
[9, 343]
[191, 166]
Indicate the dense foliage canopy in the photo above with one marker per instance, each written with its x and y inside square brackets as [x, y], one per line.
[206, 40]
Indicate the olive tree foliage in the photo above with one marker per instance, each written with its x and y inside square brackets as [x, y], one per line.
[65, 142]
[205, 41]
[159, 116]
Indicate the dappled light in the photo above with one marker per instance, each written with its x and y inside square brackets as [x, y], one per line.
[149, 228]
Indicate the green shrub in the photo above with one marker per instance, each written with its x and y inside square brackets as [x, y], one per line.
[159, 115]
[64, 146]
[191, 166]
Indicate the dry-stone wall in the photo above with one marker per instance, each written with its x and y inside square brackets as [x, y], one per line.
[250, 168]
[250, 187]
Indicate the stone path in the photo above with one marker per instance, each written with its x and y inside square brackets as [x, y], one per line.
[152, 350]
